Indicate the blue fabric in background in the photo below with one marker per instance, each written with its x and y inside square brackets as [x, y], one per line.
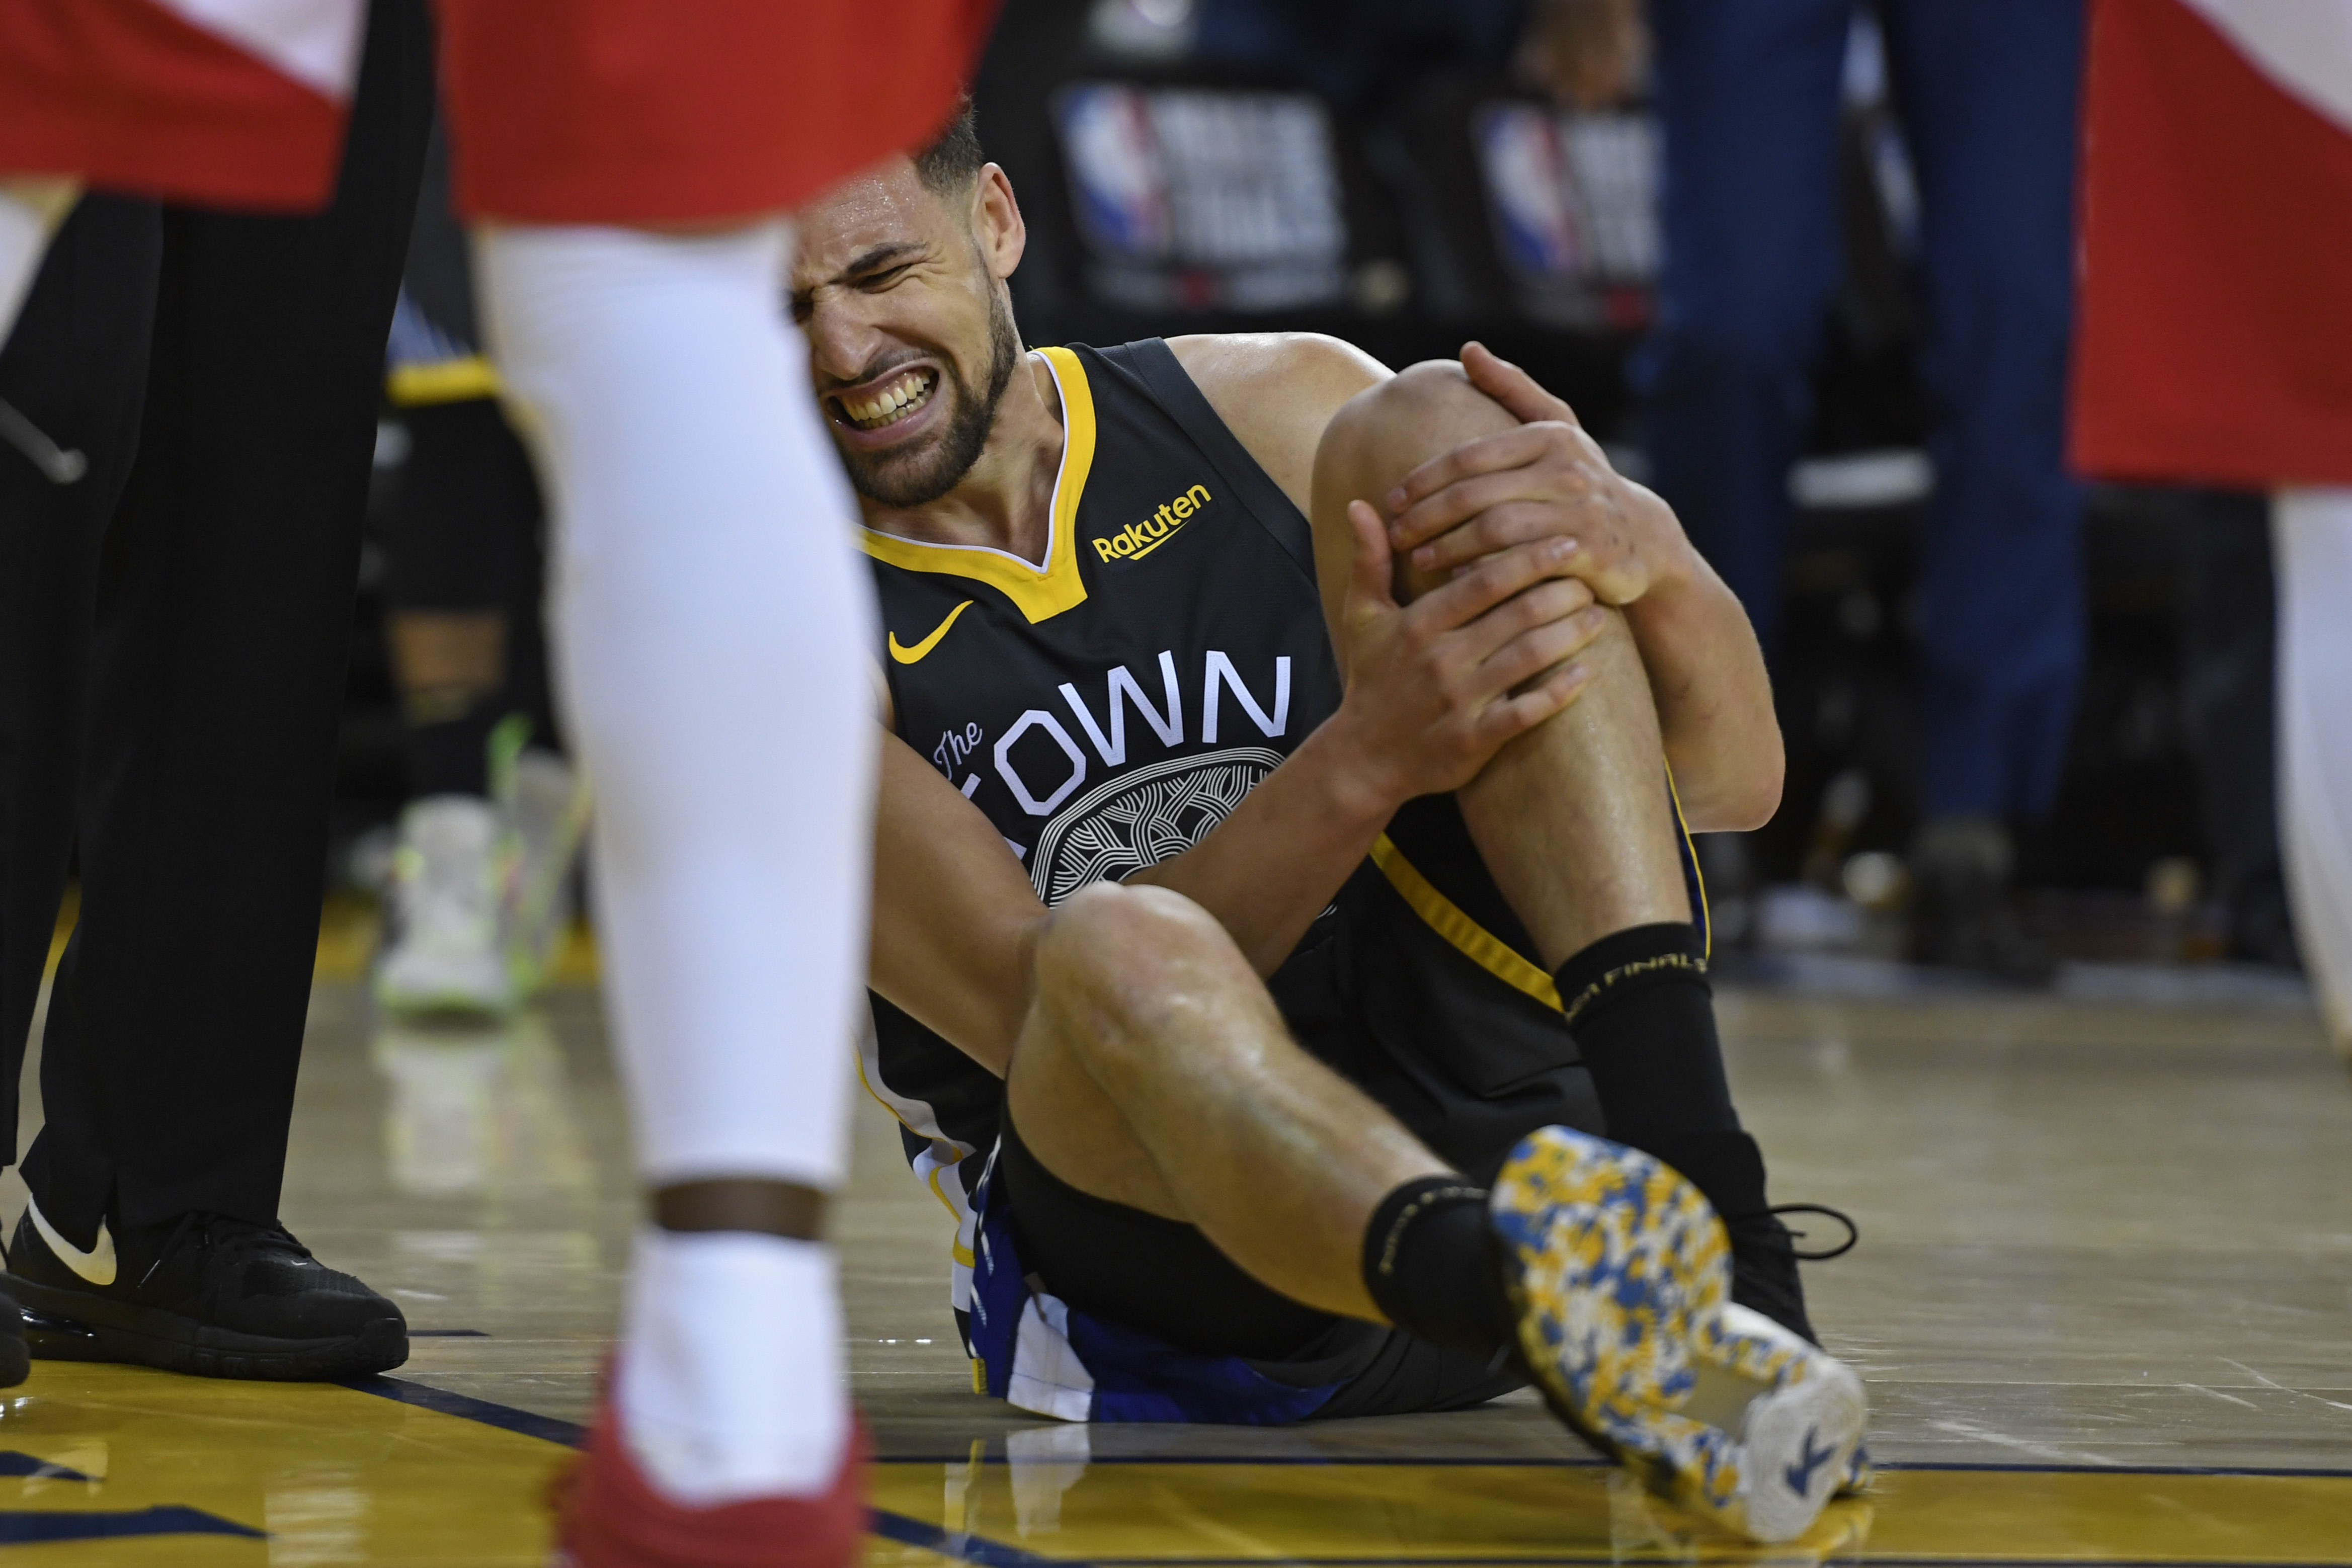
[1748, 91]
[1355, 51]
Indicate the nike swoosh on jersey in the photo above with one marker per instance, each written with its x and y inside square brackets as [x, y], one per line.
[907, 655]
[97, 1265]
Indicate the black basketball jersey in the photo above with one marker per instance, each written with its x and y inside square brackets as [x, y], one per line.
[1109, 708]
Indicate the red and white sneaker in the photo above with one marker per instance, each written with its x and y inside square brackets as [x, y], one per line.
[608, 1515]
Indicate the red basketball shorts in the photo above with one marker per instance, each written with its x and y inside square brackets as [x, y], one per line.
[644, 111]
[232, 103]
[561, 111]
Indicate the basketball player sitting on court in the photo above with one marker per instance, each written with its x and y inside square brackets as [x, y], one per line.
[1445, 843]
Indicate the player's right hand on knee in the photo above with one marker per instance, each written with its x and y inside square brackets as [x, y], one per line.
[1435, 687]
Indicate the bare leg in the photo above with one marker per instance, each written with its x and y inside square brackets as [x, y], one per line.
[1573, 818]
[1154, 1071]
[1575, 824]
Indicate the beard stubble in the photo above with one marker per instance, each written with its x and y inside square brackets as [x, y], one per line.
[900, 480]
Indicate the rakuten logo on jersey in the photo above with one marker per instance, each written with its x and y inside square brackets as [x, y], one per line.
[1053, 765]
[1141, 538]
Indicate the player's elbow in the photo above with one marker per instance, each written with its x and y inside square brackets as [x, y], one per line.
[1757, 799]
[1739, 793]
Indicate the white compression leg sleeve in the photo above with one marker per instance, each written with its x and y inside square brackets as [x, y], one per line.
[712, 629]
[30, 211]
[2313, 532]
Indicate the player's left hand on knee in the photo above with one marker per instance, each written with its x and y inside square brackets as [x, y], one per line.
[1436, 687]
[1546, 479]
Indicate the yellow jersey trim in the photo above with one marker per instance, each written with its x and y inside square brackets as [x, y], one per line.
[1044, 592]
[443, 381]
[945, 1201]
[1445, 918]
[858, 1060]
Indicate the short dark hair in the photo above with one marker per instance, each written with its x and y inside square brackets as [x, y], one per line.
[952, 161]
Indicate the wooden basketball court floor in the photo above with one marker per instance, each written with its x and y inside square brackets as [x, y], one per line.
[2104, 1302]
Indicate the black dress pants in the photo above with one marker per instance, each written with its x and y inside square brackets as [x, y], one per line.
[174, 632]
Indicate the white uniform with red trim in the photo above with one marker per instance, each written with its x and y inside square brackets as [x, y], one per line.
[2214, 345]
[234, 103]
[618, 112]
[711, 622]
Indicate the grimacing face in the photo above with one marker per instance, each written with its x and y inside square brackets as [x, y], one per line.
[911, 343]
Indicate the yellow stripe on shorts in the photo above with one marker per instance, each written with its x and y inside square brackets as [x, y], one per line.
[441, 380]
[1490, 952]
[1445, 918]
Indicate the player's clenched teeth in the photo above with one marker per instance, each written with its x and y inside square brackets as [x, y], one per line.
[893, 402]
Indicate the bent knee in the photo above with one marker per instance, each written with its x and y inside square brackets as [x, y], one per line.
[1123, 950]
[1385, 431]
[1430, 404]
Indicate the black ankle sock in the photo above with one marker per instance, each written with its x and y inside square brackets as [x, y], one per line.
[1643, 1017]
[1429, 1265]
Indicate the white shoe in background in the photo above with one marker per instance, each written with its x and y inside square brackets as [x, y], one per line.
[447, 919]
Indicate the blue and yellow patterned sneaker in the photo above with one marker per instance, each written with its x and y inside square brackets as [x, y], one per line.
[1620, 1274]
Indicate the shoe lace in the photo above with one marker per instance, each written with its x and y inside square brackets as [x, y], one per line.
[1853, 1232]
[211, 1228]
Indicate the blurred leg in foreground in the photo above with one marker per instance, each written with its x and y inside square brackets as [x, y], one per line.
[189, 707]
[2314, 529]
[711, 630]
[2215, 346]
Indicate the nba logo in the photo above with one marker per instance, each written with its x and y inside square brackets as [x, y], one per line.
[1120, 177]
[1526, 188]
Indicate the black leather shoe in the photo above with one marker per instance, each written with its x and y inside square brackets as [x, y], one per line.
[1728, 1169]
[1961, 913]
[209, 1294]
[1764, 1272]
[15, 1361]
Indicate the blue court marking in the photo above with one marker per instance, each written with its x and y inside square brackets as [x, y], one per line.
[20, 1526]
[2287, 1473]
[1521, 1461]
[489, 1413]
[13, 1463]
[506, 1417]
[898, 1527]
[988, 1553]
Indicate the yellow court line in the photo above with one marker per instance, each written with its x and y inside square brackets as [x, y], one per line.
[326, 1474]
[1341, 1513]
